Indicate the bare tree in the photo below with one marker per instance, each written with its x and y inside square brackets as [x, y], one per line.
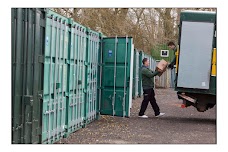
[149, 27]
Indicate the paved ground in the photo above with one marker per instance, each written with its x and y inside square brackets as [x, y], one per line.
[178, 126]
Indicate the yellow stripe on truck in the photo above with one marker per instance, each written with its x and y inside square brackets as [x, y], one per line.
[213, 68]
[177, 55]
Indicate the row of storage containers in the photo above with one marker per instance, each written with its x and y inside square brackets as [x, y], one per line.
[54, 76]
[65, 75]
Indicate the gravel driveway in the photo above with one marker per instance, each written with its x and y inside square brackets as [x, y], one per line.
[178, 126]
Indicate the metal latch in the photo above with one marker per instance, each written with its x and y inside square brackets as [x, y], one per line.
[58, 85]
[28, 100]
[41, 59]
[42, 23]
[86, 63]
[38, 131]
[79, 82]
[40, 94]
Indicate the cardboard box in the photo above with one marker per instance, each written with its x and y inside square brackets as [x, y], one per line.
[161, 72]
[162, 65]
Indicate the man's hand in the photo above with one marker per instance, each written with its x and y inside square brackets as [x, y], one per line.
[170, 66]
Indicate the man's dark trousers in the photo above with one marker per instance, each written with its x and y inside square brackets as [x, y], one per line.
[149, 96]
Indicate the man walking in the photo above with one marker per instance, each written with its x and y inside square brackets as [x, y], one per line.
[148, 91]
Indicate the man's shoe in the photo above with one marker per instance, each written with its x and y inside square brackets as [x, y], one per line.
[143, 116]
[161, 114]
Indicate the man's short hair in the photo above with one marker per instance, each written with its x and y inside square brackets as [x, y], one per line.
[171, 43]
[144, 60]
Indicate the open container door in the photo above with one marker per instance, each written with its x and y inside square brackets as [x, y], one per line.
[117, 76]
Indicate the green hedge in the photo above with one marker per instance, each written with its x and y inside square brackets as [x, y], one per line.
[155, 53]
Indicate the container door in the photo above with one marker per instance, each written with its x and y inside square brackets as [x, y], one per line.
[91, 76]
[132, 70]
[76, 79]
[136, 74]
[27, 73]
[55, 77]
[117, 76]
[195, 55]
[140, 76]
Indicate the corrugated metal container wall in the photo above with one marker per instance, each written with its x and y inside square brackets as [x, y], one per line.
[173, 76]
[141, 88]
[99, 80]
[153, 64]
[56, 92]
[93, 42]
[55, 77]
[134, 75]
[137, 74]
[135, 92]
[140, 76]
[76, 78]
[28, 31]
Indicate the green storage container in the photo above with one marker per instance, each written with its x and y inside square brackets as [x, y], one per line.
[65, 75]
[28, 30]
[76, 78]
[141, 54]
[93, 44]
[99, 75]
[55, 91]
[55, 76]
[137, 74]
[134, 75]
[135, 92]
[117, 59]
